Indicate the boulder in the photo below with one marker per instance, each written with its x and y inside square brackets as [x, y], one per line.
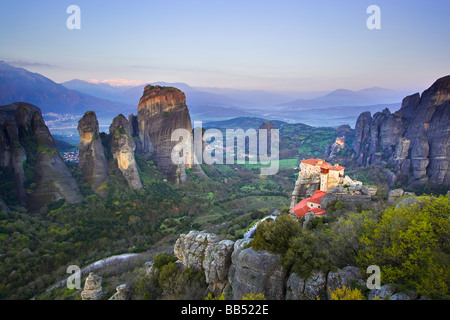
[384, 292]
[93, 288]
[123, 293]
[395, 195]
[203, 251]
[295, 286]
[313, 288]
[190, 248]
[257, 272]
[407, 202]
[369, 190]
[400, 296]
[216, 265]
[390, 176]
[150, 269]
[343, 277]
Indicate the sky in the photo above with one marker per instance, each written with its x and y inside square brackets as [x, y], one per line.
[281, 45]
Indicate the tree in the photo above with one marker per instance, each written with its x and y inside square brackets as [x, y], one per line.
[274, 236]
[147, 288]
[163, 259]
[306, 254]
[343, 237]
[301, 250]
[411, 245]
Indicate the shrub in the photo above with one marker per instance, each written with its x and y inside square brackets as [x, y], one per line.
[163, 259]
[336, 207]
[345, 293]
[254, 296]
[411, 245]
[274, 236]
[167, 275]
[211, 297]
[306, 255]
[343, 237]
[300, 250]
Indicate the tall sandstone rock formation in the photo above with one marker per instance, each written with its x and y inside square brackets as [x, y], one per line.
[28, 151]
[122, 148]
[412, 143]
[161, 111]
[92, 155]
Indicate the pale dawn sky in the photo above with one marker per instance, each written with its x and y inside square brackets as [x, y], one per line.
[278, 45]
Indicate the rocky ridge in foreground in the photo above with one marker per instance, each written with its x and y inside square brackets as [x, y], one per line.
[237, 269]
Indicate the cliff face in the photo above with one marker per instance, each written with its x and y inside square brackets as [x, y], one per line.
[354, 197]
[305, 186]
[414, 141]
[28, 151]
[122, 149]
[162, 110]
[204, 251]
[52, 177]
[429, 133]
[237, 269]
[228, 265]
[92, 154]
[257, 272]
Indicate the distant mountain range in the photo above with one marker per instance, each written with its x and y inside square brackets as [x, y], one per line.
[244, 123]
[108, 98]
[214, 104]
[20, 85]
[342, 97]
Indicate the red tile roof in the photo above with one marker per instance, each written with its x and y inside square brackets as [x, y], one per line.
[312, 162]
[317, 211]
[317, 197]
[326, 165]
[323, 164]
[302, 207]
[338, 168]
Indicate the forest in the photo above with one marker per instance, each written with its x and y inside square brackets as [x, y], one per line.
[37, 248]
